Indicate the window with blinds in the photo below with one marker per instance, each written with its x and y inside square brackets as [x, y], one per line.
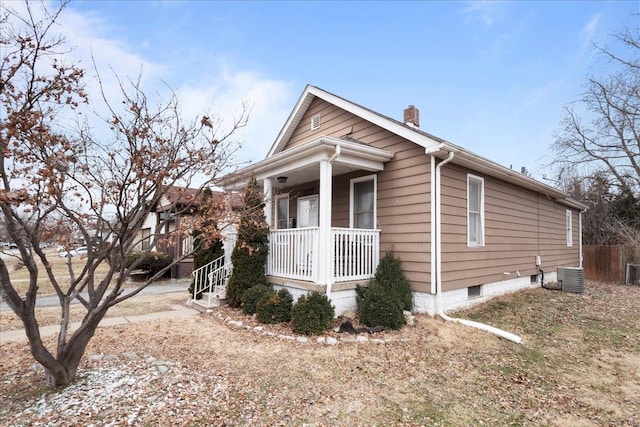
[475, 211]
[363, 202]
[569, 228]
[282, 211]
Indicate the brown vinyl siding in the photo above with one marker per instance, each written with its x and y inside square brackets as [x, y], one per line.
[519, 224]
[403, 189]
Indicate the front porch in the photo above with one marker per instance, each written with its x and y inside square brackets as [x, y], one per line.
[353, 254]
[320, 204]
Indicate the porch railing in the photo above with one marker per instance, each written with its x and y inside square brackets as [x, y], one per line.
[356, 253]
[293, 253]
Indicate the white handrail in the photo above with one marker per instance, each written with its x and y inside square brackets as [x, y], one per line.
[201, 276]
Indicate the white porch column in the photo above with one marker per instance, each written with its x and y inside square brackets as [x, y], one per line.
[324, 225]
[268, 196]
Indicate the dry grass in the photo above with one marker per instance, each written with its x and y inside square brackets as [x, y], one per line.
[60, 266]
[579, 366]
[131, 307]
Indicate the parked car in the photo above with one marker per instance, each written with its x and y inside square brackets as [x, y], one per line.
[67, 254]
[82, 251]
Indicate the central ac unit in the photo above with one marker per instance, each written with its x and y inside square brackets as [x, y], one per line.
[571, 279]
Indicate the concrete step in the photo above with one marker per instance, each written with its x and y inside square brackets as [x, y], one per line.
[205, 304]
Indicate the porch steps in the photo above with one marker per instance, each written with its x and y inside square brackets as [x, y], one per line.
[207, 302]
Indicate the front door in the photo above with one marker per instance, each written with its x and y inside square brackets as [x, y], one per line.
[308, 211]
[307, 217]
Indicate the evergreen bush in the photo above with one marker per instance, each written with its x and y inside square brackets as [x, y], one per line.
[275, 307]
[252, 295]
[390, 276]
[380, 307]
[252, 247]
[312, 314]
[151, 262]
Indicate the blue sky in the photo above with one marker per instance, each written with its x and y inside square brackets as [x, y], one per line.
[492, 77]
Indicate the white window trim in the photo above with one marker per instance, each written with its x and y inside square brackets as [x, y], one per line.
[471, 244]
[353, 181]
[146, 240]
[569, 226]
[278, 198]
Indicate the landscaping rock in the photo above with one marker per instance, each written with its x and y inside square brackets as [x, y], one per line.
[408, 318]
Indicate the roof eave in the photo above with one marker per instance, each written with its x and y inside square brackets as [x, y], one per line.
[481, 164]
[323, 146]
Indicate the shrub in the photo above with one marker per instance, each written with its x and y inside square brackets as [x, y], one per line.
[252, 247]
[312, 314]
[275, 307]
[252, 295]
[151, 262]
[381, 308]
[390, 276]
[360, 292]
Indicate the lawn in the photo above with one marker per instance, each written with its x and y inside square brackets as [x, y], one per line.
[60, 267]
[579, 365]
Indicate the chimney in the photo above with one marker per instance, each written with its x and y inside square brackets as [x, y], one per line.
[412, 116]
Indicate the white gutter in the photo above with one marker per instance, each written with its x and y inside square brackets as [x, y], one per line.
[335, 155]
[438, 266]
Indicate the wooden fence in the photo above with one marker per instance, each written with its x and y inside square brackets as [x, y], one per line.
[604, 263]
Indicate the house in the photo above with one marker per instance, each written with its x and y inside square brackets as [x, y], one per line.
[175, 208]
[344, 184]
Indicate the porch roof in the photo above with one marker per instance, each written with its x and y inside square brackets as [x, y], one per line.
[302, 163]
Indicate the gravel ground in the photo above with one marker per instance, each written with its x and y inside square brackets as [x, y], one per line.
[576, 368]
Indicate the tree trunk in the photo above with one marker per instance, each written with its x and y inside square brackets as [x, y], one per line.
[61, 370]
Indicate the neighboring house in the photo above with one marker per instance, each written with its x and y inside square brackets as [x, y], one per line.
[344, 184]
[177, 206]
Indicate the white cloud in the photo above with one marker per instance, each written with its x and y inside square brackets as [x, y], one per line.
[207, 86]
[487, 12]
[589, 34]
[269, 102]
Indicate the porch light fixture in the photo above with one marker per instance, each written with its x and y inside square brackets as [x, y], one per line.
[282, 179]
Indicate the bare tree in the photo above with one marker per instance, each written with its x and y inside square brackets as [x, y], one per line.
[601, 131]
[57, 182]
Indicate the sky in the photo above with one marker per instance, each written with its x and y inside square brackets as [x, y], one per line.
[492, 76]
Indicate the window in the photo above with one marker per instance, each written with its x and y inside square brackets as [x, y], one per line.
[146, 237]
[315, 122]
[475, 211]
[282, 211]
[569, 228]
[363, 202]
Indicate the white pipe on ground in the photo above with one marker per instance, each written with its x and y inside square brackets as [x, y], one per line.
[438, 266]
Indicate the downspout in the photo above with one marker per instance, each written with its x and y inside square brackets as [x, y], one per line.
[438, 266]
[335, 155]
[580, 231]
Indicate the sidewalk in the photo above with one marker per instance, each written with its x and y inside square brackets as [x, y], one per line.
[178, 311]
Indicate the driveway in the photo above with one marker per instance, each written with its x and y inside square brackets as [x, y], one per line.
[168, 287]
